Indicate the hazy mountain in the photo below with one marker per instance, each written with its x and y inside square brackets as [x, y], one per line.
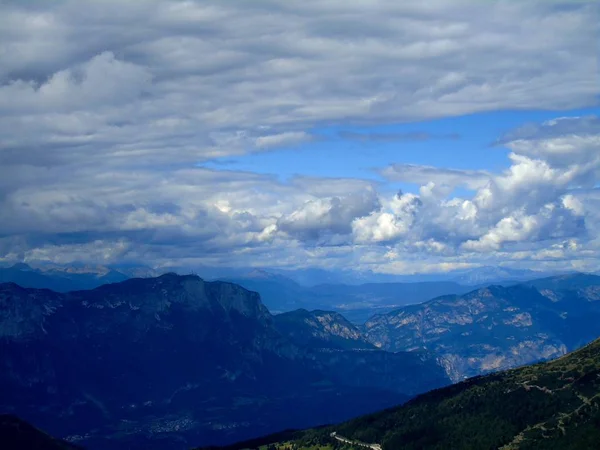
[16, 434]
[59, 278]
[356, 302]
[548, 406]
[497, 327]
[278, 293]
[489, 275]
[470, 277]
[585, 283]
[172, 361]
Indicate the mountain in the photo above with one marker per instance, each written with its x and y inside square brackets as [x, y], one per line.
[359, 302]
[339, 349]
[59, 278]
[321, 329]
[549, 406]
[496, 328]
[585, 283]
[356, 302]
[278, 293]
[16, 434]
[495, 275]
[170, 361]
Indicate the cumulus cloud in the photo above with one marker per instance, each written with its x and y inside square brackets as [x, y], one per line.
[107, 110]
[537, 201]
[328, 216]
[422, 175]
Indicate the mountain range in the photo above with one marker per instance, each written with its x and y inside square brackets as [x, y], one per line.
[357, 296]
[70, 278]
[173, 361]
[548, 406]
[356, 302]
[496, 327]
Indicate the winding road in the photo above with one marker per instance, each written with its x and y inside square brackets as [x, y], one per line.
[350, 441]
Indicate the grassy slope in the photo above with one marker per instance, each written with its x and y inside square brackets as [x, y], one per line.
[547, 406]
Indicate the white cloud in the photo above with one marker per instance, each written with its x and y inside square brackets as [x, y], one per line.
[422, 175]
[107, 108]
[537, 201]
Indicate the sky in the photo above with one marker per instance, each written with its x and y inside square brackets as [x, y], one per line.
[384, 136]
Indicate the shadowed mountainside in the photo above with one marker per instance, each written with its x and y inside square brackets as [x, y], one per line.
[548, 406]
[173, 361]
[16, 434]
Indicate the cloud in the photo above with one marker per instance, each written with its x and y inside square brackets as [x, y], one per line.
[538, 200]
[411, 173]
[156, 79]
[328, 216]
[565, 143]
[108, 109]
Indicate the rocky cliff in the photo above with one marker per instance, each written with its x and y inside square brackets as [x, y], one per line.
[495, 328]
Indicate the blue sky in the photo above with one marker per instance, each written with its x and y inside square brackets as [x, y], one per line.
[464, 142]
[383, 136]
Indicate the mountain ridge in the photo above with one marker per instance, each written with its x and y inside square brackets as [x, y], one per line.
[496, 327]
[181, 360]
[547, 406]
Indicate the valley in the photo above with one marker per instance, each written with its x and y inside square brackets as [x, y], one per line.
[554, 405]
[172, 361]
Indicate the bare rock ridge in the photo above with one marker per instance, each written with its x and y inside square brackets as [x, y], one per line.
[497, 327]
[324, 329]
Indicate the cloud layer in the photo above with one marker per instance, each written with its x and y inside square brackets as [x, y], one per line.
[108, 109]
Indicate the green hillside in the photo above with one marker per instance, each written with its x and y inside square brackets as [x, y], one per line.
[547, 406]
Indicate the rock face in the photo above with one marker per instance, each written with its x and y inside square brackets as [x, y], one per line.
[321, 329]
[173, 361]
[496, 328]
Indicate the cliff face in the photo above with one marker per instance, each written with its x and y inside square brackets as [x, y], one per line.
[172, 358]
[494, 328]
[321, 329]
